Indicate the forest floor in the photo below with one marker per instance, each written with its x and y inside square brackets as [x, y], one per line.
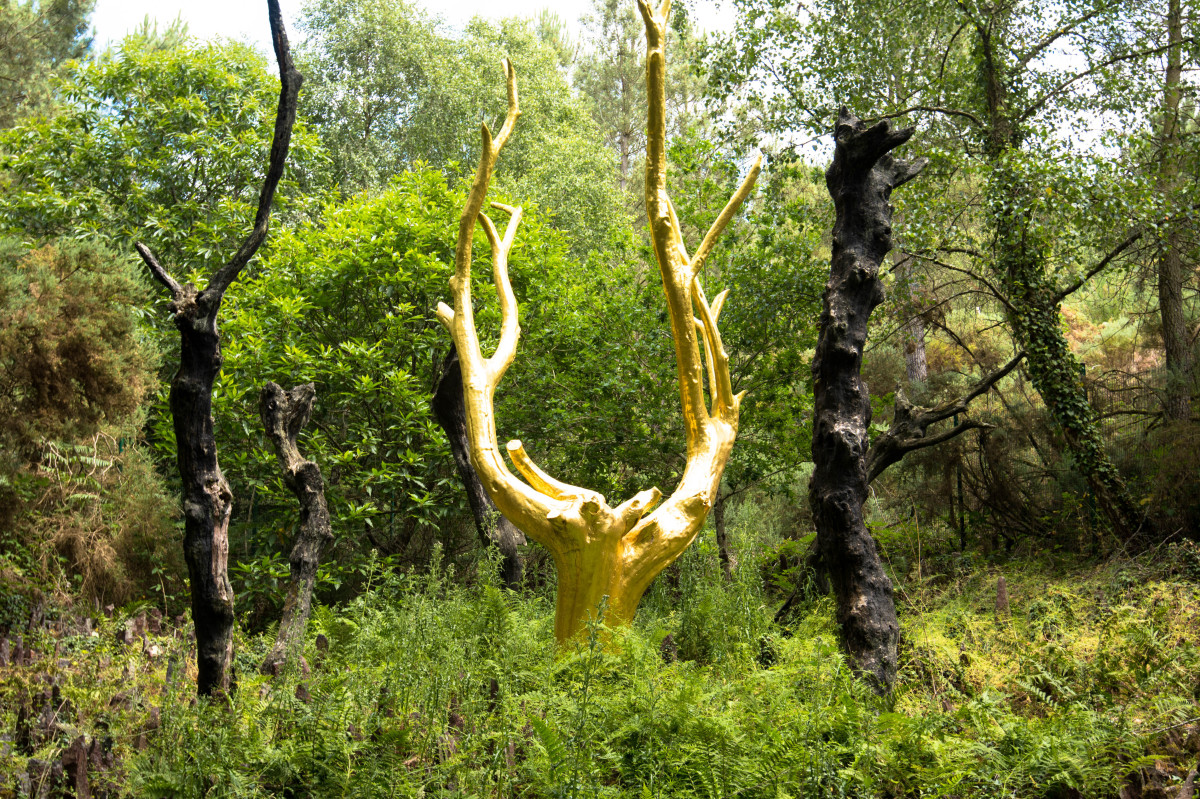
[1083, 683]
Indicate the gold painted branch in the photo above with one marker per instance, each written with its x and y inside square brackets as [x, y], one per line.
[601, 551]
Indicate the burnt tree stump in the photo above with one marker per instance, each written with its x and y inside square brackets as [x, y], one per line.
[284, 414]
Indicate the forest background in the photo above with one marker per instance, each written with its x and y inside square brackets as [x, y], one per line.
[1045, 562]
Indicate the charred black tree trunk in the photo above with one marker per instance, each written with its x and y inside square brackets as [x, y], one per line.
[207, 500]
[860, 181]
[492, 526]
[284, 414]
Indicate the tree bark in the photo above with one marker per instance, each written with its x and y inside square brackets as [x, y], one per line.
[916, 368]
[1036, 321]
[860, 180]
[493, 527]
[728, 561]
[284, 414]
[1178, 393]
[207, 500]
[1020, 250]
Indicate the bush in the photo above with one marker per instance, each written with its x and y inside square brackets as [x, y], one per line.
[80, 502]
[70, 357]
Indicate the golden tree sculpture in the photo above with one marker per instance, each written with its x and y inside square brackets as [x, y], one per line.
[600, 551]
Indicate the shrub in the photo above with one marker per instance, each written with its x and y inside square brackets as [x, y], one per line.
[80, 502]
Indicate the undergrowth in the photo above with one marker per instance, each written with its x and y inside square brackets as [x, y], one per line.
[432, 685]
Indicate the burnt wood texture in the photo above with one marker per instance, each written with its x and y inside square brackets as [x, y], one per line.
[493, 527]
[207, 500]
[860, 180]
[284, 414]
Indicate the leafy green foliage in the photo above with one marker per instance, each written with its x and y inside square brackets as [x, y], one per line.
[348, 304]
[167, 147]
[432, 688]
[443, 684]
[69, 354]
[389, 89]
[79, 498]
[37, 38]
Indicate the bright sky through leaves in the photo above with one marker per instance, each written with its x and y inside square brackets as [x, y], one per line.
[238, 19]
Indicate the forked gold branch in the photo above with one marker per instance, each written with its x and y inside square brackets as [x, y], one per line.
[599, 550]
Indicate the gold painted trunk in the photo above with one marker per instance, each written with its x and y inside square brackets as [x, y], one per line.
[601, 551]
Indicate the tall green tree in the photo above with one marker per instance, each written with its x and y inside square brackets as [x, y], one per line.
[610, 76]
[152, 145]
[1015, 102]
[37, 38]
[1000, 80]
[391, 89]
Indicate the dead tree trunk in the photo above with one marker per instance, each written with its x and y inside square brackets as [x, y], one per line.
[207, 500]
[493, 527]
[860, 181]
[284, 414]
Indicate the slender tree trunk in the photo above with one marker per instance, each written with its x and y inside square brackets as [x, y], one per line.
[1177, 405]
[1036, 320]
[493, 527]
[915, 367]
[1177, 398]
[1054, 370]
[284, 414]
[728, 561]
[1019, 260]
[860, 181]
[207, 500]
[623, 144]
